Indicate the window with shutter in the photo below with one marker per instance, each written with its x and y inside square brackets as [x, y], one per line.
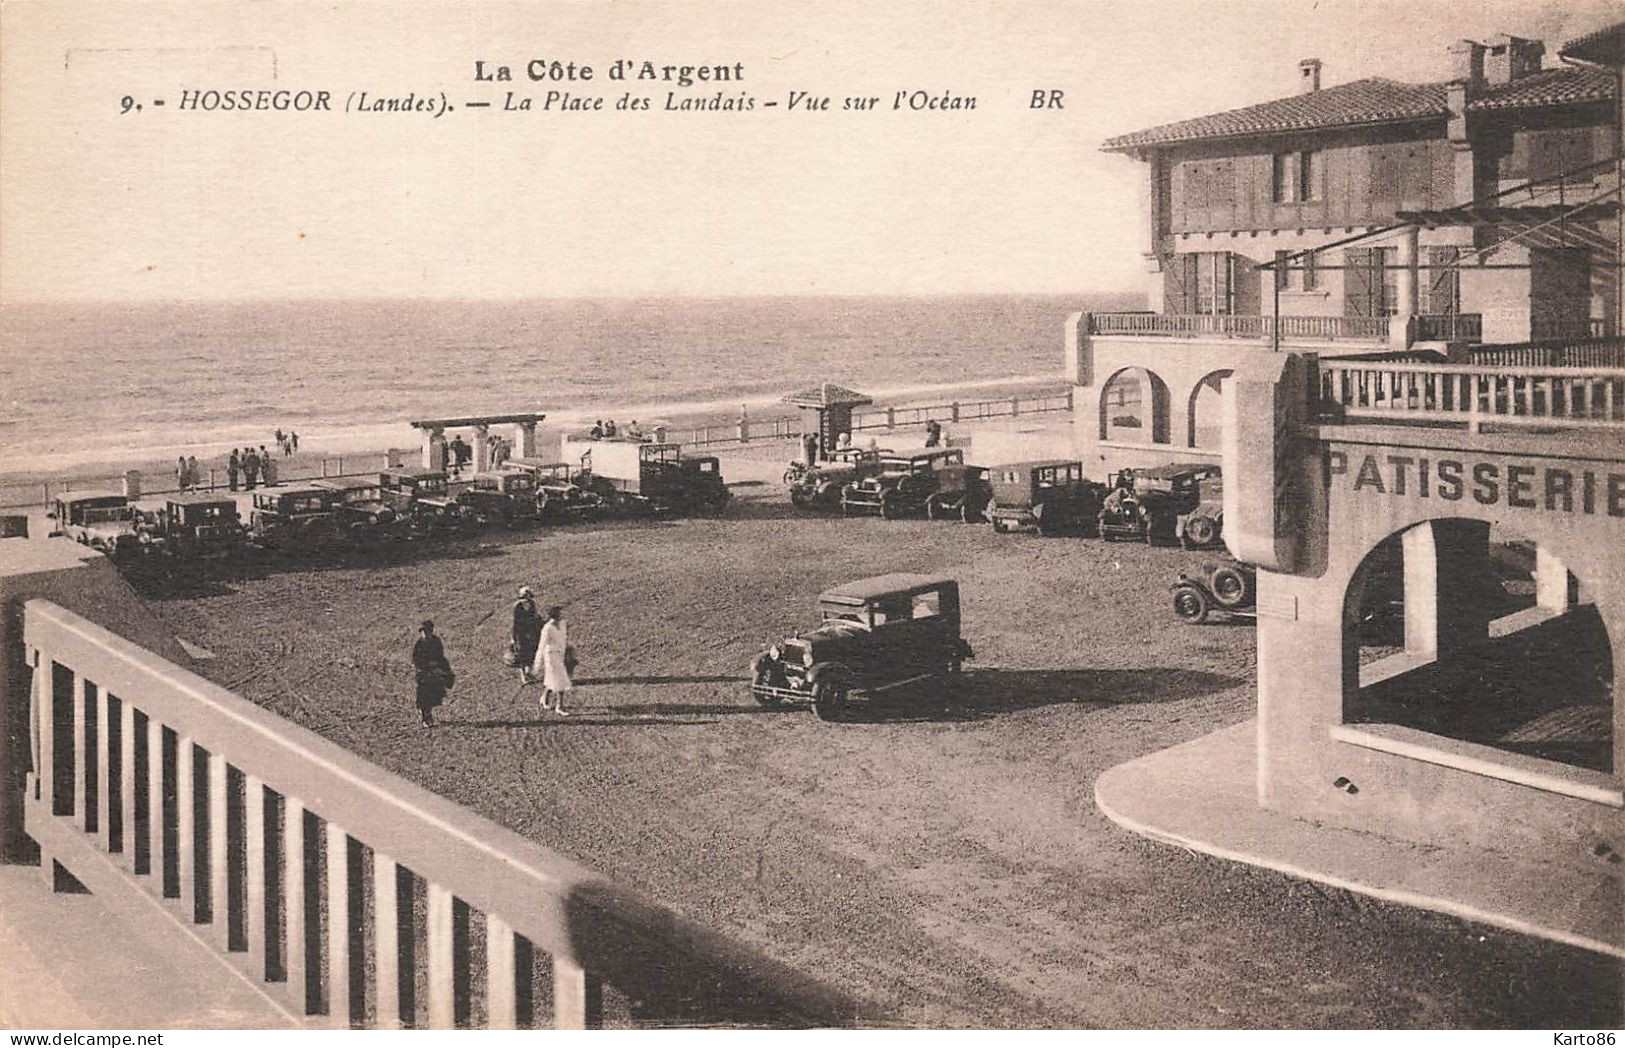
[1444, 282]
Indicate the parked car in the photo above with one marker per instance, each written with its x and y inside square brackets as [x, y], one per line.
[559, 494]
[649, 477]
[504, 496]
[104, 521]
[1158, 505]
[421, 496]
[875, 634]
[360, 508]
[200, 524]
[962, 494]
[299, 518]
[820, 486]
[1050, 496]
[901, 485]
[699, 484]
[1231, 589]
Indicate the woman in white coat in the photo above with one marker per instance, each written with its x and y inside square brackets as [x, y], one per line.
[550, 663]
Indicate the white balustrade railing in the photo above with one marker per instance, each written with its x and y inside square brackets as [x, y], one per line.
[348, 891]
[1227, 325]
[1534, 397]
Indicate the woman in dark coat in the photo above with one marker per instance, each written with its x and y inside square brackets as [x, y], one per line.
[434, 674]
[527, 631]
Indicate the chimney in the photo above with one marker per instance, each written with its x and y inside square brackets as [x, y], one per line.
[1308, 76]
[1467, 65]
[1511, 57]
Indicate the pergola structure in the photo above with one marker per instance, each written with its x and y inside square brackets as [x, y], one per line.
[834, 406]
[434, 436]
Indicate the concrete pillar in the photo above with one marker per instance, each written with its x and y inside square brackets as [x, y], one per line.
[525, 439]
[132, 484]
[434, 448]
[1080, 357]
[482, 448]
[1447, 575]
[1407, 286]
[1552, 589]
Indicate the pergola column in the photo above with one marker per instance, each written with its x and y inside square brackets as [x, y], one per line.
[1406, 289]
[482, 448]
[1446, 566]
[434, 448]
[525, 438]
[1552, 590]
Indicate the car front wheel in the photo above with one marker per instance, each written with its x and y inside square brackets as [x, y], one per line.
[829, 700]
[1191, 605]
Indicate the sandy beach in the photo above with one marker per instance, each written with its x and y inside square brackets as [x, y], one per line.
[946, 863]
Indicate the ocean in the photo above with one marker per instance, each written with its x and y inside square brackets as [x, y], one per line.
[117, 383]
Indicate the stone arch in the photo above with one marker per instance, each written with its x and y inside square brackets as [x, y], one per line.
[1205, 411]
[1134, 407]
[1470, 632]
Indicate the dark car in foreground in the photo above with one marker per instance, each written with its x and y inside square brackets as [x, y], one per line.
[1049, 496]
[874, 634]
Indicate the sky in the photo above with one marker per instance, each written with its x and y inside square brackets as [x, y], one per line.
[101, 204]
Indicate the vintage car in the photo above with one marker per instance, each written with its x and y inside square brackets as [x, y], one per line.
[1228, 588]
[1050, 496]
[875, 634]
[647, 477]
[819, 486]
[300, 517]
[421, 496]
[902, 484]
[200, 524]
[962, 494]
[103, 521]
[504, 496]
[559, 494]
[1163, 505]
[360, 507]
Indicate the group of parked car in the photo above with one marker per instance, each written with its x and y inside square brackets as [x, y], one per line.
[1181, 504]
[396, 504]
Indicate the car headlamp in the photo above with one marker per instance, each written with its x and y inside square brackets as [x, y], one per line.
[774, 652]
[807, 658]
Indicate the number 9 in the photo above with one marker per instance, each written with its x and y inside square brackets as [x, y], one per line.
[126, 104]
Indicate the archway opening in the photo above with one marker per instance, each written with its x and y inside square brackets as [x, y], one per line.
[1207, 412]
[1466, 631]
[1134, 408]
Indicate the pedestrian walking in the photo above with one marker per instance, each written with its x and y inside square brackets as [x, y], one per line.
[293, 440]
[194, 476]
[281, 437]
[933, 434]
[234, 466]
[433, 671]
[551, 662]
[268, 468]
[182, 477]
[527, 633]
[251, 469]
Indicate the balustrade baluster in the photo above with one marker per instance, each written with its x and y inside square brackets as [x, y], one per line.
[502, 1000]
[81, 759]
[44, 712]
[338, 925]
[156, 860]
[386, 923]
[295, 957]
[442, 984]
[104, 761]
[126, 777]
[219, 873]
[578, 997]
[255, 927]
[186, 826]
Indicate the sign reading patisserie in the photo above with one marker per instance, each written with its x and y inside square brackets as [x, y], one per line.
[1488, 481]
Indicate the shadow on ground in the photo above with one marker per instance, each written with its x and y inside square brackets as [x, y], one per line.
[983, 694]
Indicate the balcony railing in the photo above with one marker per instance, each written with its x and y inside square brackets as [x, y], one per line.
[1532, 397]
[1555, 353]
[344, 888]
[1178, 325]
[1545, 328]
[1450, 327]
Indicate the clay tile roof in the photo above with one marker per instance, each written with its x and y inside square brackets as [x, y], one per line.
[1550, 87]
[822, 396]
[1604, 45]
[1371, 101]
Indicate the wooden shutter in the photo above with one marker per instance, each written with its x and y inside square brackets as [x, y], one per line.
[1179, 285]
[1248, 286]
[1444, 282]
[1357, 297]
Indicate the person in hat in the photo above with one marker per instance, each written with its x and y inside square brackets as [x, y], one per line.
[551, 660]
[527, 632]
[434, 676]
